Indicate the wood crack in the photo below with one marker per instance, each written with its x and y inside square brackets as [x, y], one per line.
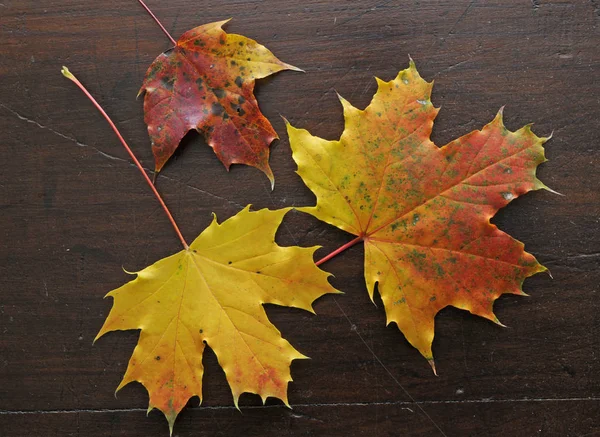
[320, 405]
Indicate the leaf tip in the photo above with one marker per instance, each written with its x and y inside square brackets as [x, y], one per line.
[214, 217]
[122, 384]
[171, 421]
[292, 67]
[236, 401]
[346, 105]
[271, 179]
[100, 334]
[500, 116]
[223, 22]
[432, 364]
[545, 187]
[126, 271]
[299, 356]
[499, 323]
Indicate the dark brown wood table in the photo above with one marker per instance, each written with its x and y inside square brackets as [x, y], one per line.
[74, 211]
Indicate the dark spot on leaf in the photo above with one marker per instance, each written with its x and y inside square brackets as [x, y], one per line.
[155, 69]
[219, 92]
[201, 331]
[157, 358]
[229, 262]
[217, 109]
[167, 82]
[237, 108]
[238, 81]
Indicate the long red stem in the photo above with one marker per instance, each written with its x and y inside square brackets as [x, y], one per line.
[158, 22]
[65, 71]
[339, 250]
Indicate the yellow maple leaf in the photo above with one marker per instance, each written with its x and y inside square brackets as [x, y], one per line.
[423, 211]
[213, 293]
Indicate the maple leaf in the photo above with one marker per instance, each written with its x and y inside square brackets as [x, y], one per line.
[206, 82]
[213, 293]
[422, 211]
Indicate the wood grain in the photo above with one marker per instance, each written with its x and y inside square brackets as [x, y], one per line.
[75, 211]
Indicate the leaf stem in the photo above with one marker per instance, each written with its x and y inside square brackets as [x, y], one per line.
[337, 251]
[65, 71]
[158, 22]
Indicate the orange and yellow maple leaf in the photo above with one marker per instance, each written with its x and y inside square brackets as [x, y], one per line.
[423, 212]
[213, 294]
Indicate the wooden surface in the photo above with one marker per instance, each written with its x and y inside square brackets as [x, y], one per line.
[74, 211]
